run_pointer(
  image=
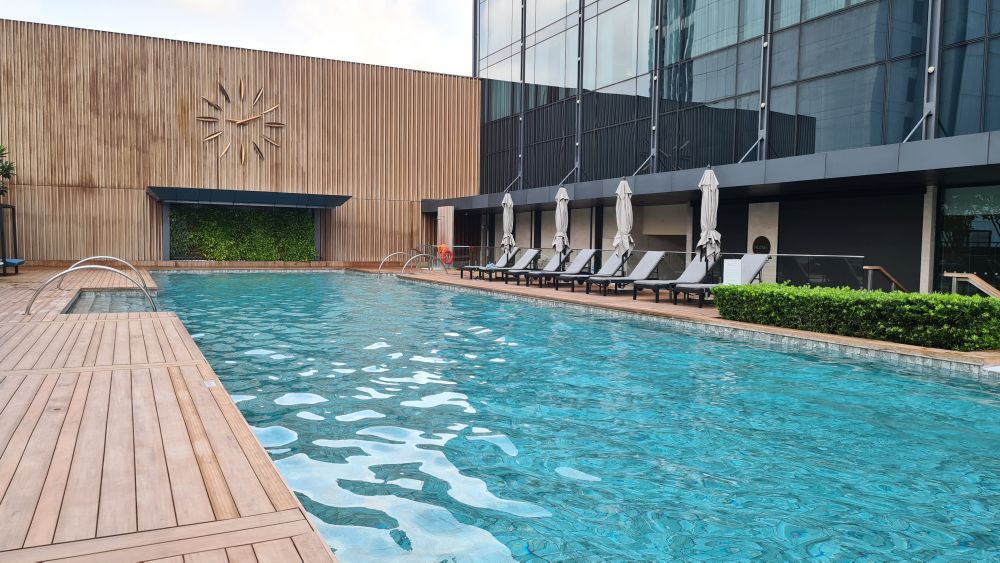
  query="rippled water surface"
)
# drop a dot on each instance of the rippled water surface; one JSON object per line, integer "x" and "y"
{"x": 419, "y": 423}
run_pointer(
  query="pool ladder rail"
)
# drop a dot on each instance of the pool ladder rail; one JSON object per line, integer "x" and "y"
{"x": 411, "y": 254}
{"x": 81, "y": 266}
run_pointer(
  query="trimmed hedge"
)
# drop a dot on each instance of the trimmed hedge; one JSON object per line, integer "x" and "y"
{"x": 215, "y": 232}
{"x": 953, "y": 322}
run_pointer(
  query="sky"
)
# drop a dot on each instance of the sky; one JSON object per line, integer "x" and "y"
{"x": 432, "y": 35}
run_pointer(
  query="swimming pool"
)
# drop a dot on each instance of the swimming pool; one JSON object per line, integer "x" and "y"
{"x": 422, "y": 423}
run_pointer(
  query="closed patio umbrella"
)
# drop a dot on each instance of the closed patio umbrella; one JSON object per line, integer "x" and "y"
{"x": 507, "y": 242}
{"x": 561, "y": 239}
{"x": 623, "y": 242}
{"x": 710, "y": 242}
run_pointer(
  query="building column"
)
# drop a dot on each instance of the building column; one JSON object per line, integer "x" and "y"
{"x": 762, "y": 221}
{"x": 927, "y": 235}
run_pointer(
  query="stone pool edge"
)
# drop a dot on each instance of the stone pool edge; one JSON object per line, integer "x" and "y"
{"x": 983, "y": 367}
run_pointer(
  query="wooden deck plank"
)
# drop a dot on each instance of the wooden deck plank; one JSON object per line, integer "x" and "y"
{"x": 241, "y": 554}
{"x": 65, "y": 350}
{"x": 161, "y": 339}
{"x": 276, "y": 551}
{"x": 78, "y": 514}
{"x": 213, "y": 556}
{"x": 277, "y": 490}
{"x": 136, "y": 343}
{"x": 117, "y": 514}
{"x": 12, "y": 353}
{"x": 105, "y": 353}
{"x": 154, "y": 501}
{"x": 248, "y": 492}
{"x": 215, "y": 481}
{"x": 192, "y": 504}
{"x": 13, "y": 414}
{"x": 25, "y": 486}
{"x": 152, "y": 537}
{"x": 122, "y": 354}
{"x": 31, "y": 354}
{"x": 311, "y": 547}
{"x": 52, "y": 348}
{"x": 154, "y": 352}
{"x": 78, "y": 350}
{"x": 43, "y": 524}
{"x": 8, "y": 387}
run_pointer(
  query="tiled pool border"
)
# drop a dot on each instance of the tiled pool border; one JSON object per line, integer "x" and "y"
{"x": 773, "y": 340}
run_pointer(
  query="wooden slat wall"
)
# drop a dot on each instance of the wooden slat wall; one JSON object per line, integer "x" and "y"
{"x": 92, "y": 118}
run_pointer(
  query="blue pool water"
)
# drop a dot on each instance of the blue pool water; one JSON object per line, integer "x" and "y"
{"x": 419, "y": 423}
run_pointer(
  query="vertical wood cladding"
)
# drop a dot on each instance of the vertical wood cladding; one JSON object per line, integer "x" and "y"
{"x": 92, "y": 118}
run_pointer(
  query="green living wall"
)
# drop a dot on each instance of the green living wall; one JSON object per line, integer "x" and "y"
{"x": 217, "y": 232}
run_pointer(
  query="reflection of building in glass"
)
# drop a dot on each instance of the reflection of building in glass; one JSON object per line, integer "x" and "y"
{"x": 582, "y": 92}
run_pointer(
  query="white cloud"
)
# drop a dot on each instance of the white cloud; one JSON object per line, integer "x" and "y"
{"x": 420, "y": 34}
{"x": 433, "y": 35}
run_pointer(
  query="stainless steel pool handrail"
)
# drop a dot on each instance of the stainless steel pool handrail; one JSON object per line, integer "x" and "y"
{"x": 114, "y": 258}
{"x": 388, "y": 256}
{"x": 60, "y": 275}
{"x": 432, "y": 257}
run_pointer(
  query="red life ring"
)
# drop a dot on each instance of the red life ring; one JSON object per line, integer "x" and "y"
{"x": 446, "y": 256}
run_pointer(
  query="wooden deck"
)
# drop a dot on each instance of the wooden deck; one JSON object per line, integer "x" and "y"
{"x": 119, "y": 443}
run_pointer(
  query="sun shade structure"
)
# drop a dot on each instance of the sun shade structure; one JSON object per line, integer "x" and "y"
{"x": 623, "y": 242}
{"x": 507, "y": 242}
{"x": 246, "y": 197}
{"x": 560, "y": 242}
{"x": 710, "y": 242}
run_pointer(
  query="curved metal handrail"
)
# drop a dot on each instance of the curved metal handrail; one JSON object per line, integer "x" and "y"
{"x": 27, "y": 309}
{"x": 432, "y": 257}
{"x": 388, "y": 256}
{"x": 115, "y": 258}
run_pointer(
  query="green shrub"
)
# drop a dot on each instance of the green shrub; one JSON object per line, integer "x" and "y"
{"x": 210, "y": 232}
{"x": 953, "y": 322}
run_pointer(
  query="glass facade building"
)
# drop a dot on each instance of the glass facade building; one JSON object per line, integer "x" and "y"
{"x": 586, "y": 90}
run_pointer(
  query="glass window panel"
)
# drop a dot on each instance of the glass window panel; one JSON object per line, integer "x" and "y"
{"x": 909, "y": 27}
{"x": 747, "y": 116}
{"x": 572, "y": 45}
{"x": 993, "y": 88}
{"x": 785, "y": 13}
{"x": 484, "y": 19}
{"x": 785, "y": 56}
{"x": 541, "y": 13}
{"x": 501, "y": 24}
{"x": 748, "y": 67}
{"x": 646, "y": 39}
{"x": 905, "y": 99}
{"x": 842, "y": 111}
{"x": 960, "y": 94}
{"x": 781, "y": 122}
{"x": 616, "y": 44}
{"x": 711, "y": 25}
{"x": 590, "y": 54}
{"x": 816, "y": 8}
{"x": 670, "y": 27}
{"x": 713, "y": 76}
{"x": 962, "y": 20}
{"x": 852, "y": 38}
{"x": 751, "y": 18}
{"x": 968, "y": 237}
{"x": 994, "y": 16}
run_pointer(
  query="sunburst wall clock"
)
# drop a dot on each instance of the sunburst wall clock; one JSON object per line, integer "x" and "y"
{"x": 241, "y": 124}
